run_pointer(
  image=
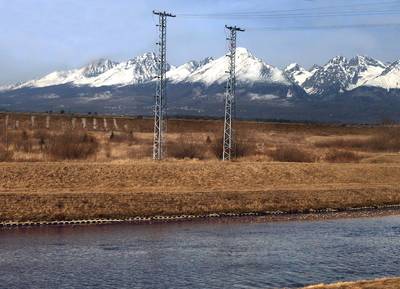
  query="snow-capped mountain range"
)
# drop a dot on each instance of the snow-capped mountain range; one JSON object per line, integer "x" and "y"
{"x": 339, "y": 74}
{"x": 198, "y": 86}
{"x": 143, "y": 69}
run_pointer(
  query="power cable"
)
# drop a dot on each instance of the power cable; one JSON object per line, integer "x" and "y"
{"x": 323, "y": 27}
{"x": 383, "y": 5}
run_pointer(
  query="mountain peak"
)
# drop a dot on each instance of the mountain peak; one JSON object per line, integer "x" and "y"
{"x": 148, "y": 57}
{"x": 338, "y": 60}
{"x": 315, "y": 67}
{"x": 249, "y": 69}
{"x": 389, "y": 77}
{"x": 206, "y": 61}
{"x": 363, "y": 60}
{"x": 297, "y": 74}
{"x": 243, "y": 51}
{"x": 98, "y": 67}
{"x": 293, "y": 67}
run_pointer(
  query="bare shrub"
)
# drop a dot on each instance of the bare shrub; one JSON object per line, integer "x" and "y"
{"x": 186, "y": 148}
{"x": 69, "y": 145}
{"x": 341, "y": 143}
{"x": 216, "y": 147}
{"x": 107, "y": 150}
{"x": 42, "y": 137}
{"x": 340, "y": 156}
{"x": 122, "y": 137}
{"x": 243, "y": 147}
{"x": 5, "y": 155}
{"x": 140, "y": 152}
{"x": 2, "y": 134}
{"x": 292, "y": 154}
{"x": 23, "y": 141}
{"x": 387, "y": 141}
{"x": 388, "y": 121}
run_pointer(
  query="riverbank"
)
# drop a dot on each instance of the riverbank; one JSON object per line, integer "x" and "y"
{"x": 375, "y": 284}
{"x": 250, "y": 217}
{"x": 61, "y": 191}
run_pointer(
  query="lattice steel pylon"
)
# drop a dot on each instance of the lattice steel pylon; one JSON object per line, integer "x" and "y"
{"x": 228, "y": 139}
{"x": 160, "y": 97}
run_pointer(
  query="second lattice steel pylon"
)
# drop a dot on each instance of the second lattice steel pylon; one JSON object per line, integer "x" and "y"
{"x": 228, "y": 139}
{"x": 160, "y": 97}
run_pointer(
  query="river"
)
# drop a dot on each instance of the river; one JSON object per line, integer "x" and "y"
{"x": 220, "y": 254}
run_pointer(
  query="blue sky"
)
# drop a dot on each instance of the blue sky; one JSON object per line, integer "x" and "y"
{"x": 40, "y": 36}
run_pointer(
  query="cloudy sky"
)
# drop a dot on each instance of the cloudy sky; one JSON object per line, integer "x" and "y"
{"x": 40, "y": 36}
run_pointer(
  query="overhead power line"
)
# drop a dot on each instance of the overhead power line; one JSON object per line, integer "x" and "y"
{"x": 324, "y": 27}
{"x": 365, "y": 7}
{"x": 385, "y": 12}
{"x": 370, "y": 9}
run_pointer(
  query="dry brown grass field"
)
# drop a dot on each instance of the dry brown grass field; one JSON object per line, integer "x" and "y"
{"x": 52, "y": 137}
{"x": 56, "y": 167}
{"x": 381, "y": 284}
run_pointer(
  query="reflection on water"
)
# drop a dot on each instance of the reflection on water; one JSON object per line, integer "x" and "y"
{"x": 200, "y": 255}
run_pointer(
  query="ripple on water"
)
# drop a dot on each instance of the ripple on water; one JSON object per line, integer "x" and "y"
{"x": 201, "y": 255}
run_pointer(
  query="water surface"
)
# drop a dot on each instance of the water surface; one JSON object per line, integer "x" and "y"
{"x": 233, "y": 254}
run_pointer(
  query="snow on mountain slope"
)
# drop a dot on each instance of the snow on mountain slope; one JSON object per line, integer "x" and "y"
{"x": 297, "y": 74}
{"x": 54, "y": 78}
{"x": 6, "y": 87}
{"x": 332, "y": 76}
{"x": 182, "y": 72}
{"x": 388, "y": 79}
{"x": 363, "y": 69}
{"x": 98, "y": 67}
{"x": 249, "y": 69}
{"x": 137, "y": 70}
{"x": 103, "y": 73}
{"x": 340, "y": 74}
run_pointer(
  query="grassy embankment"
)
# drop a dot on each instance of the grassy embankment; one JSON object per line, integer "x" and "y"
{"x": 68, "y": 171}
{"x": 59, "y": 191}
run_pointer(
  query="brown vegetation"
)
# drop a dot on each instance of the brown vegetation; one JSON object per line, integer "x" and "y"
{"x": 186, "y": 147}
{"x": 292, "y": 154}
{"x": 121, "y": 139}
{"x": 22, "y": 141}
{"x": 386, "y": 141}
{"x": 341, "y": 156}
{"x": 331, "y": 167}
{"x": 5, "y": 154}
{"x": 35, "y": 191}
{"x": 243, "y": 146}
{"x": 85, "y": 205}
{"x": 72, "y": 146}
{"x": 375, "y": 284}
